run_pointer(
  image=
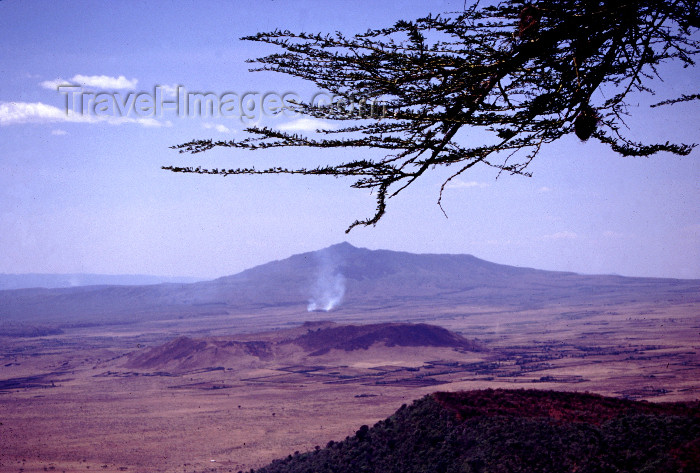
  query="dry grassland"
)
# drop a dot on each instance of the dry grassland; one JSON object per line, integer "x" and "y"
{"x": 72, "y": 403}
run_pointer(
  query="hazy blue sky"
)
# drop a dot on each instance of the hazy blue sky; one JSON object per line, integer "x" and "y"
{"x": 86, "y": 194}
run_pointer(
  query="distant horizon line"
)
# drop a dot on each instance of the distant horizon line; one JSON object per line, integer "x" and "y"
{"x": 188, "y": 279}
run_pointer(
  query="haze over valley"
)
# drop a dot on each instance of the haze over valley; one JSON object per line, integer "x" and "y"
{"x": 223, "y": 372}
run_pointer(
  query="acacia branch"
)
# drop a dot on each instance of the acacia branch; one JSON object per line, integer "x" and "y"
{"x": 523, "y": 73}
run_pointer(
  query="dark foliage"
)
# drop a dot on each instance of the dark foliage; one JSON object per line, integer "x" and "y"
{"x": 586, "y": 122}
{"x": 515, "y": 431}
{"x": 509, "y": 78}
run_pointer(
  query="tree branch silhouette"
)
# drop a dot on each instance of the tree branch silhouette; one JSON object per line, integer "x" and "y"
{"x": 525, "y": 73}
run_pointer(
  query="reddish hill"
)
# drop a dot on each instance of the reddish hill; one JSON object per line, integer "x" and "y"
{"x": 185, "y": 352}
{"x": 355, "y": 337}
{"x": 320, "y": 338}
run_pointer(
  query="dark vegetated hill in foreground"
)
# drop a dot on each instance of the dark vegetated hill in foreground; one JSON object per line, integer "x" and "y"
{"x": 516, "y": 431}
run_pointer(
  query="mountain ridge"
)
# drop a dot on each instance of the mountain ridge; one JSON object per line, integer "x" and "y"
{"x": 9, "y": 281}
{"x": 342, "y": 278}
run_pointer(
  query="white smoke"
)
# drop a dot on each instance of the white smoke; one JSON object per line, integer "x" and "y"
{"x": 329, "y": 288}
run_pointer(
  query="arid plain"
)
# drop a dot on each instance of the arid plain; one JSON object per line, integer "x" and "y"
{"x": 229, "y": 392}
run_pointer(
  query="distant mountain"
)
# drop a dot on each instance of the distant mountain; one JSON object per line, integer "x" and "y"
{"x": 345, "y": 279}
{"x": 52, "y": 281}
{"x": 515, "y": 431}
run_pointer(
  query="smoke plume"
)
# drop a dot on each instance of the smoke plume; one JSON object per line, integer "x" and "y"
{"x": 329, "y": 288}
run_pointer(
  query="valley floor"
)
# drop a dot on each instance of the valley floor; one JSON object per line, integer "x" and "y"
{"x": 71, "y": 402}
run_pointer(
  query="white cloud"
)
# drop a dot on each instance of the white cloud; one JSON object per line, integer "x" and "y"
{"x": 565, "y": 235}
{"x": 218, "y": 127}
{"x": 55, "y": 84}
{"x": 544, "y": 189}
{"x": 22, "y": 112}
{"x": 460, "y": 184}
{"x": 306, "y": 124}
{"x": 98, "y": 82}
{"x": 14, "y": 113}
{"x": 147, "y": 122}
{"x": 59, "y": 132}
